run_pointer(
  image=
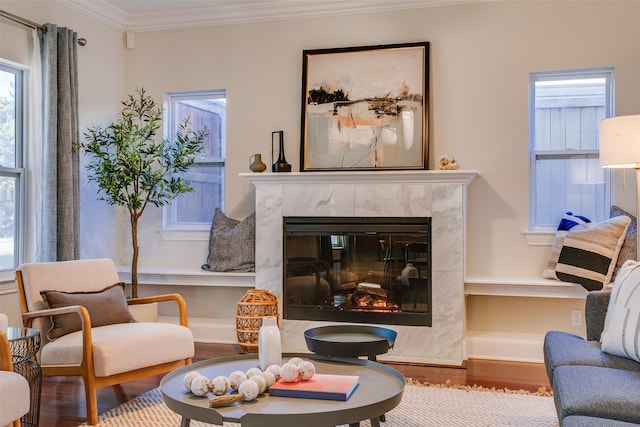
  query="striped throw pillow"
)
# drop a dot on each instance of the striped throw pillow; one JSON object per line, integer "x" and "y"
{"x": 567, "y": 222}
{"x": 621, "y": 333}
{"x": 588, "y": 257}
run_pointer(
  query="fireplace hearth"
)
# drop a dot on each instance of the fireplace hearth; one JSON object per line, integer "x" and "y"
{"x": 355, "y": 269}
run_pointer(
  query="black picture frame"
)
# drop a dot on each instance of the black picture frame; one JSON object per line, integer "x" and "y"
{"x": 365, "y": 108}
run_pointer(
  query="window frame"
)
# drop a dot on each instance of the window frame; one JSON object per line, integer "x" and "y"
{"x": 572, "y": 74}
{"x": 190, "y": 231}
{"x": 18, "y": 171}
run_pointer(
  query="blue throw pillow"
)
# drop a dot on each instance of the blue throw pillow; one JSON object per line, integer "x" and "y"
{"x": 569, "y": 220}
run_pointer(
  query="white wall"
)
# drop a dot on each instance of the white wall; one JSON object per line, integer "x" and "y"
{"x": 481, "y": 56}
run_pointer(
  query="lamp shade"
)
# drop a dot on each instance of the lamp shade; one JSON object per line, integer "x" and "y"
{"x": 620, "y": 142}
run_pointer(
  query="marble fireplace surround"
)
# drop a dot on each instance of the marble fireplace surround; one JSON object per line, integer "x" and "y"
{"x": 438, "y": 194}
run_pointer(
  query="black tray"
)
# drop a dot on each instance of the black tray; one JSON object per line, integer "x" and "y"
{"x": 350, "y": 340}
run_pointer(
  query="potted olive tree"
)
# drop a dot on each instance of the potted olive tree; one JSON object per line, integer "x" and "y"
{"x": 133, "y": 167}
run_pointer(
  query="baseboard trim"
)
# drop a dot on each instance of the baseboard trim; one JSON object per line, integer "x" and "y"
{"x": 221, "y": 331}
{"x": 478, "y": 344}
{"x": 507, "y": 347}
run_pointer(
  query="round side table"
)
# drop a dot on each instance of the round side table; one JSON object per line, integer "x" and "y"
{"x": 25, "y": 343}
{"x": 351, "y": 341}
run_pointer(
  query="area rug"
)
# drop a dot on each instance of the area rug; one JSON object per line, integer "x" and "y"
{"x": 422, "y": 405}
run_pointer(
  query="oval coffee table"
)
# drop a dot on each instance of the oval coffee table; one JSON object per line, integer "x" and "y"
{"x": 380, "y": 389}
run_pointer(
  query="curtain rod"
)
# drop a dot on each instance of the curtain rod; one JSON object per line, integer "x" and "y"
{"x": 81, "y": 41}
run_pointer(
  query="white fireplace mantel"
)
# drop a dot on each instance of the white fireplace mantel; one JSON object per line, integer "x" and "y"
{"x": 368, "y": 177}
{"x": 440, "y": 195}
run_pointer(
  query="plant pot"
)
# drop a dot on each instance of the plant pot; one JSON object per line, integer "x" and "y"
{"x": 144, "y": 312}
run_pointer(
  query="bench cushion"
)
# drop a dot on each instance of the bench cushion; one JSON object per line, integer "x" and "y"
{"x": 597, "y": 392}
{"x": 123, "y": 347}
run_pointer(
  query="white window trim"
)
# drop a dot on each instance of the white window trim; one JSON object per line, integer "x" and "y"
{"x": 540, "y": 235}
{"x": 20, "y": 170}
{"x": 194, "y": 231}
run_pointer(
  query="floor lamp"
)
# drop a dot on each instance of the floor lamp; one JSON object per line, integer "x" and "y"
{"x": 620, "y": 148}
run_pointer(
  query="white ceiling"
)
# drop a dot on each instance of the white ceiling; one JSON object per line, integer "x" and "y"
{"x": 151, "y": 15}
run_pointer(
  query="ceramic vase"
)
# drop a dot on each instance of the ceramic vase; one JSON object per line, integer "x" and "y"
{"x": 281, "y": 164}
{"x": 269, "y": 343}
{"x": 256, "y": 164}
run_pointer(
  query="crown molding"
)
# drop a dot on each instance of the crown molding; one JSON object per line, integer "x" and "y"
{"x": 101, "y": 11}
{"x": 240, "y": 13}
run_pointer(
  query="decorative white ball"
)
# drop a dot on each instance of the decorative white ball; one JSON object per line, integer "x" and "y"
{"x": 220, "y": 385}
{"x": 262, "y": 383}
{"x": 275, "y": 370}
{"x": 200, "y": 385}
{"x": 250, "y": 389}
{"x": 296, "y": 360}
{"x": 236, "y": 378}
{"x": 269, "y": 378}
{"x": 307, "y": 370}
{"x": 253, "y": 371}
{"x": 189, "y": 377}
{"x": 289, "y": 372}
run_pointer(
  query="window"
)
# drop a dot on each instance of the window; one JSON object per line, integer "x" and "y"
{"x": 564, "y": 115}
{"x": 11, "y": 167}
{"x": 194, "y": 211}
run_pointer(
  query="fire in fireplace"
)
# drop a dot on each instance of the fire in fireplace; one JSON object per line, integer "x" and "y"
{"x": 358, "y": 269}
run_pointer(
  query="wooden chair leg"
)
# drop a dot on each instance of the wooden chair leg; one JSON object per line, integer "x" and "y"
{"x": 16, "y": 423}
{"x": 92, "y": 401}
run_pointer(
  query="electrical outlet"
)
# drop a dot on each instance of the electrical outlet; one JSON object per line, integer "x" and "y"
{"x": 576, "y": 317}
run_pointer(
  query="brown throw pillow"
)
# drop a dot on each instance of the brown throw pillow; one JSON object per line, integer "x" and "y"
{"x": 105, "y": 307}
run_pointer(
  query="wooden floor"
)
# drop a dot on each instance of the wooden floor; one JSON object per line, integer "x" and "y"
{"x": 62, "y": 402}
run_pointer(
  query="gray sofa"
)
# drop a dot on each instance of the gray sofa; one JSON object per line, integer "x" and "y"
{"x": 591, "y": 387}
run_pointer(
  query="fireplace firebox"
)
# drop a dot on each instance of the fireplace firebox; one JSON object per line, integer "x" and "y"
{"x": 358, "y": 269}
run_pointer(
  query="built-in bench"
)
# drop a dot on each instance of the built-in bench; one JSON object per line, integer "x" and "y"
{"x": 189, "y": 277}
{"x": 205, "y": 329}
{"x": 522, "y": 287}
{"x": 524, "y": 345}
{"x": 489, "y": 344}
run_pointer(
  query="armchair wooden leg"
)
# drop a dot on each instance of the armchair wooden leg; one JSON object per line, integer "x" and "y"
{"x": 92, "y": 401}
{"x": 16, "y": 423}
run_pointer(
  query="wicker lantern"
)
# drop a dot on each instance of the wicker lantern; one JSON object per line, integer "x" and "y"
{"x": 251, "y": 308}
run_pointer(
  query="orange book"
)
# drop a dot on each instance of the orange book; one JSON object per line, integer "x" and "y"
{"x": 321, "y": 386}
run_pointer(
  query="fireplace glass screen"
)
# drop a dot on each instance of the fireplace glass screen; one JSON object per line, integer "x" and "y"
{"x": 361, "y": 270}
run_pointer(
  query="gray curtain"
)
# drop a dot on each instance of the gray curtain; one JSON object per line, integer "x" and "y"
{"x": 59, "y": 227}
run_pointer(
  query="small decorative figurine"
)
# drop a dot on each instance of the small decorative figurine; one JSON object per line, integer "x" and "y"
{"x": 448, "y": 162}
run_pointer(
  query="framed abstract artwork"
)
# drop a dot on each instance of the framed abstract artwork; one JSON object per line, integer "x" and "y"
{"x": 365, "y": 108}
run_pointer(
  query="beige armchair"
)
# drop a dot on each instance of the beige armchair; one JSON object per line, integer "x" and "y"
{"x": 14, "y": 388}
{"x": 118, "y": 350}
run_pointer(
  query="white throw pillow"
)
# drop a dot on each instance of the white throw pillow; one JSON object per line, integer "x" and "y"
{"x": 621, "y": 334}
